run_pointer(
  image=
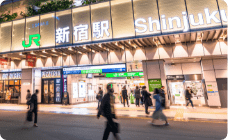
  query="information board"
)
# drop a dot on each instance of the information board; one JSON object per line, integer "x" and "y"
{"x": 154, "y": 83}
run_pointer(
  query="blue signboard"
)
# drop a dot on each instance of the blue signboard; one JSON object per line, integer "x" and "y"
{"x": 101, "y": 68}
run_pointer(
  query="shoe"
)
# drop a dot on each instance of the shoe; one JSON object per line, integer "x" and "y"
{"x": 148, "y": 113}
{"x": 35, "y": 125}
{"x": 166, "y": 124}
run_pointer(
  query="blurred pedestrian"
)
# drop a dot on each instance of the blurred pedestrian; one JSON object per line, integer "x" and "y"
{"x": 34, "y": 106}
{"x": 125, "y": 96}
{"x": 162, "y": 94}
{"x": 146, "y": 97}
{"x": 158, "y": 114}
{"x": 137, "y": 96}
{"x": 108, "y": 111}
{"x": 99, "y": 96}
{"x": 188, "y": 96}
{"x": 28, "y": 98}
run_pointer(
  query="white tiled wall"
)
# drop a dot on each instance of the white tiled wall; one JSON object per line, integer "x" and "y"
{"x": 191, "y": 68}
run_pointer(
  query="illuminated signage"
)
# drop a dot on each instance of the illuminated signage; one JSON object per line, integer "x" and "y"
{"x": 127, "y": 74}
{"x": 51, "y": 74}
{"x": 81, "y": 32}
{"x": 209, "y": 17}
{"x": 6, "y": 76}
{"x": 35, "y": 38}
{"x": 95, "y": 69}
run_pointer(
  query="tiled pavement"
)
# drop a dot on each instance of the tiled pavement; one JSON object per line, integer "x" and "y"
{"x": 179, "y": 113}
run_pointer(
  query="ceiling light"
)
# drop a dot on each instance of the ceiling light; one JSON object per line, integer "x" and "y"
{"x": 44, "y": 51}
{"x": 32, "y": 52}
{"x": 84, "y": 47}
{"x": 70, "y": 49}
{"x": 99, "y": 45}
{"x": 53, "y": 50}
{"x": 79, "y": 52}
{"x": 93, "y": 51}
{"x": 64, "y": 54}
{"x": 21, "y": 53}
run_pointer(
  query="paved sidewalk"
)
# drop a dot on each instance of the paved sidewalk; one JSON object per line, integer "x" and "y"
{"x": 179, "y": 113}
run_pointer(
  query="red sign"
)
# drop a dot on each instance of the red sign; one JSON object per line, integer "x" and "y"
{"x": 31, "y": 60}
{"x": 4, "y": 61}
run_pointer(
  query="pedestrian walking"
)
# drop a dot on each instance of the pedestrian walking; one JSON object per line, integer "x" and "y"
{"x": 108, "y": 111}
{"x": 125, "y": 96}
{"x": 28, "y": 98}
{"x": 147, "y": 99}
{"x": 99, "y": 97}
{"x": 188, "y": 96}
{"x": 158, "y": 114}
{"x": 162, "y": 94}
{"x": 34, "y": 106}
{"x": 137, "y": 96}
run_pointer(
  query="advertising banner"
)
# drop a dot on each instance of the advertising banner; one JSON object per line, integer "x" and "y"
{"x": 154, "y": 83}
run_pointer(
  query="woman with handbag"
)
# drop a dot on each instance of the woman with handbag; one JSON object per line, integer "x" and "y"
{"x": 158, "y": 114}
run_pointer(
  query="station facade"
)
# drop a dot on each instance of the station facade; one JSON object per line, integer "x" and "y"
{"x": 70, "y": 53}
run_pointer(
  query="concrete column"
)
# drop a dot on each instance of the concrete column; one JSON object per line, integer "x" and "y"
{"x": 212, "y": 69}
{"x": 26, "y": 84}
{"x": 155, "y": 70}
{"x": 30, "y": 80}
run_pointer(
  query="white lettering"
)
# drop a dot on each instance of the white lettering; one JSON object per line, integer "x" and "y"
{"x": 186, "y": 23}
{"x": 81, "y": 32}
{"x": 192, "y": 20}
{"x": 223, "y": 15}
{"x": 164, "y": 22}
{"x": 211, "y": 16}
{"x": 62, "y": 35}
{"x": 151, "y": 22}
{"x": 178, "y": 21}
{"x": 140, "y": 25}
{"x": 99, "y": 28}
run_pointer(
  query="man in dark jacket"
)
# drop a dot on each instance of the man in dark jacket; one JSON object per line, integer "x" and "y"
{"x": 162, "y": 94}
{"x": 108, "y": 111}
{"x": 34, "y": 106}
{"x": 125, "y": 96}
{"x": 100, "y": 96}
{"x": 137, "y": 95}
{"x": 146, "y": 96}
{"x": 188, "y": 96}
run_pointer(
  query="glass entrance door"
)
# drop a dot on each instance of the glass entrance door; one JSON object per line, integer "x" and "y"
{"x": 51, "y": 91}
{"x": 45, "y": 91}
{"x": 48, "y": 91}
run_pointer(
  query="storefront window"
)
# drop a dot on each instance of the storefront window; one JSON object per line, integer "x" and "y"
{"x": 5, "y": 37}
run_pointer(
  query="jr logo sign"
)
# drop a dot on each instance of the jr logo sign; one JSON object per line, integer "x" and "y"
{"x": 35, "y": 38}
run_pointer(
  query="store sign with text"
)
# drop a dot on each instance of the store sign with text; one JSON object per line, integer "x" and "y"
{"x": 95, "y": 69}
{"x": 6, "y": 76}
{"x": 154, "y": 83}
{"x": 127, "y": 74}
{"x": 51, "y": 74}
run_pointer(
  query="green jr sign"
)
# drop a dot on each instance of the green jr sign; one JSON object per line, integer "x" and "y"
{"x": 35, "y": 38}
{"x": 154, "y": 83}
{"x": 126, "y": 74}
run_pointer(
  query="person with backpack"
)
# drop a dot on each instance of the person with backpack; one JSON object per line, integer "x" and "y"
{"x": 28, "y": 97}
{"x": 34, "y": 106}
{"x": 188, "y": 96}
{"x": 125, "y": 96}
{"x": 99, "y": 96}
{"x": 158, "y": 114}
{"x": 107, "y": 110}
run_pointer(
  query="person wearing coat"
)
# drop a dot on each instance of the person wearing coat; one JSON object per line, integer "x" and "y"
{"x": 158, "y": 114}
{"x": 137, "y": 96}
{"x": 107, "y": 110}
{"x": 162, "y": 94}
{"x": 188, "y": 96}
{"x": 146, "y": 95}
{"x": 28, "y": 97}
{"x": 34, "y": 106}
{"x": 125, "y": 96}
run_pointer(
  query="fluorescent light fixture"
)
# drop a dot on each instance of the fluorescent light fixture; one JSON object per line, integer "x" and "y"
{"x": 64, "y": 54}
{"x": 32, "y": 52}
{"x": 44, "y": 51}
{"x": 84, "y": 47}
{"x": 53, "y": 50}
{"x": 70, "y": 49}
{"x": 79, "y": 52}
{"x": 21, "y": 53}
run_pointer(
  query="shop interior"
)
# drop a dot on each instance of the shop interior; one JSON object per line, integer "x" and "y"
{"x": 176, "y": 90}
